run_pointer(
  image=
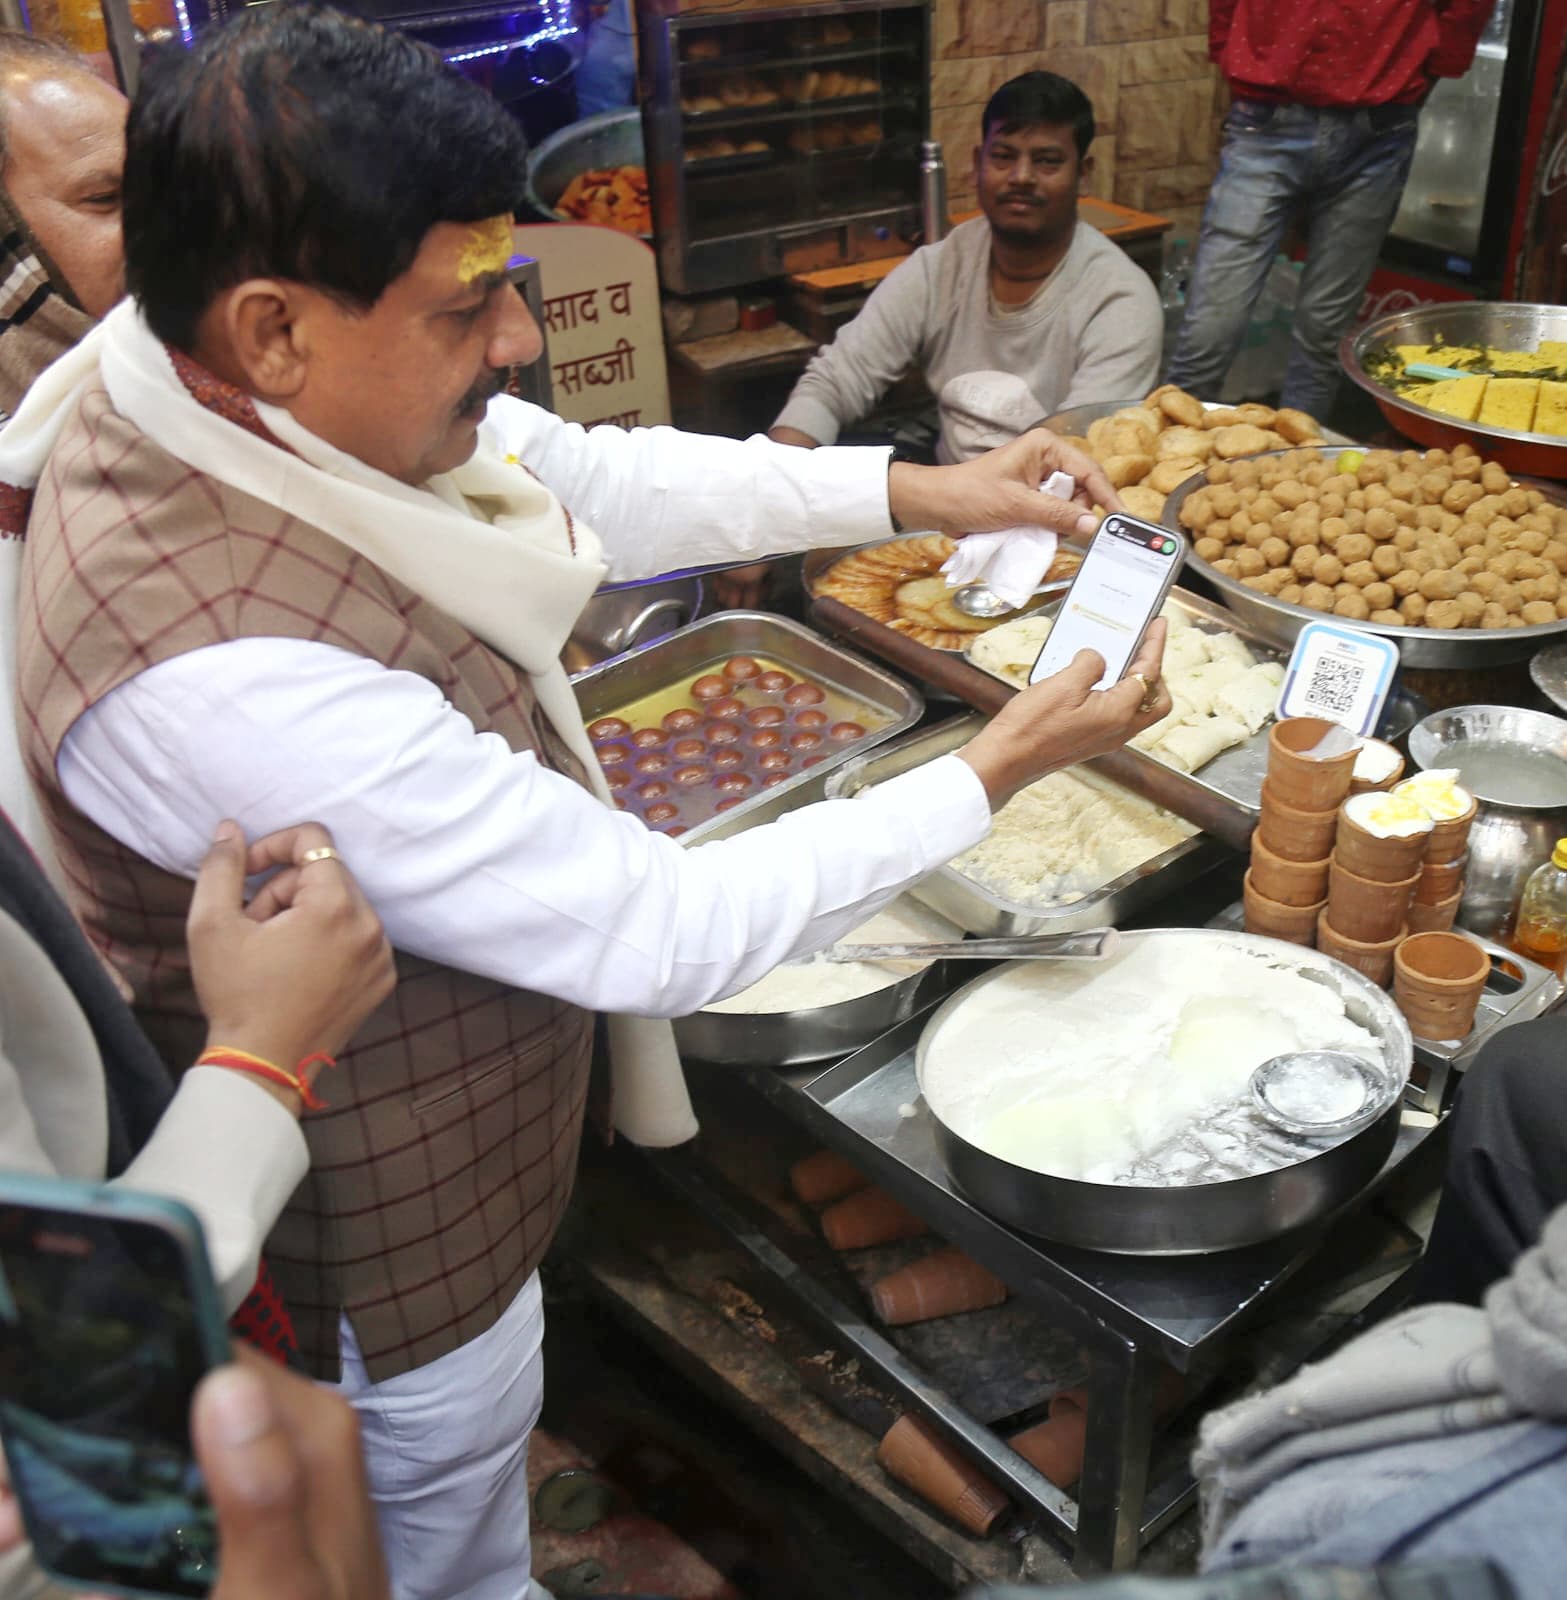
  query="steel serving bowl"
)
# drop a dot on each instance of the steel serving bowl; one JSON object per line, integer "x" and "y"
{"x": 1280, "y": 623}
{"x": 1505, "y": 326}
{"x": 1190, "y": 1219}
{"x": 610, "y": 139}
{"x": 1506, "y": 841}
{"x": 817, "y": 1033}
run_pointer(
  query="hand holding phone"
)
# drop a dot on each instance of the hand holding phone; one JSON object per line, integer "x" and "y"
{"x": 1130, "y": 568}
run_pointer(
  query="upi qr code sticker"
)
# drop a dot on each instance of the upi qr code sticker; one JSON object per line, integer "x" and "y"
{"x": 1340, "y": 674}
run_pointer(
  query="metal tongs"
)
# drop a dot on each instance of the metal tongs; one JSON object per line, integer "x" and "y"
{"x": 1090, "y": 944}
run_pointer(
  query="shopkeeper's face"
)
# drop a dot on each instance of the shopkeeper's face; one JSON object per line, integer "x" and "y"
{"x": 1027, "y": 181}
{"x": 65, "y": 152}
{"x": 404, "y": 385}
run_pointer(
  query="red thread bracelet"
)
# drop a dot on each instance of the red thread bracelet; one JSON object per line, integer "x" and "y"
{"x": 244, "y": 1061}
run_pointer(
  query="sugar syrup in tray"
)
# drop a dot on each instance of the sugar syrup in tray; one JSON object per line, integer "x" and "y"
{"x": 742, "y": 724}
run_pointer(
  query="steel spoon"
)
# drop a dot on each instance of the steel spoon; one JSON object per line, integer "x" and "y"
{"x": 1090, "y": 944}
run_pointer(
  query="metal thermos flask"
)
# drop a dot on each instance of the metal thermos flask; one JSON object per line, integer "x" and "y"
{"x": 933, "y": 191}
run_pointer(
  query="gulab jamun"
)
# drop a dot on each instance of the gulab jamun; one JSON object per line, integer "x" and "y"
{"x": 765, "y": 739}
{"x": 686, "y": 776}
{"x": 721, "y": 733}
{"x": 652, "y": 762}
{"x": 741, "y": 669}
{"x": 675, "y": 832}
{"x": 772, "y": 682}
{"x": 773, "y": 779}
{"x": 612, "y": 755}
{"x": 765, "y": 716}
{"x": 664, "y": 812}
{"x": 805, "y": 739}
{"x": 725, "y": 759}
{"x": 729, "y": 708}
{"x": 620, "y": 805}
{"x": 649, "y": 738}
{"x": 845, "y": 731}
{"x": 607, "y": 728}
{"x": 688, "y": 749}
{"x": 813, "y": 761}
{"x": 775, "y": 761}
{"x": 804, "y": 694}
{"x": 654, "y": 791}
{"x": 730, "y": 803}
{"x": 734, "y": 782}
{"x": 682, "y": 719}
{"x": 811, "y": 719}
{"x": 710, "y": 687}
{"x": 617, "y": 778}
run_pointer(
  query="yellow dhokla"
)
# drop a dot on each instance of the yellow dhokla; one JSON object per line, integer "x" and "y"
{"x": 1503, "y": 361}
{"x": 1509, "y": 403}
{"x": 1553, "y": 352}
{"x": 1550, "y": 413}
{"x": 1455, "y": 397}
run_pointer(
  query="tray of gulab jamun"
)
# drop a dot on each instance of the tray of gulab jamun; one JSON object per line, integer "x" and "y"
{"x": 730, "y": 714}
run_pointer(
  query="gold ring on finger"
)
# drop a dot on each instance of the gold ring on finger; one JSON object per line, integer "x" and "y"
{"x": 322, "y": 852}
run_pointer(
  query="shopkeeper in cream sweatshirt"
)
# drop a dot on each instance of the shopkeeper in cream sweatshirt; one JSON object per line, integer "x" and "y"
{"x": 1017, "y": 314}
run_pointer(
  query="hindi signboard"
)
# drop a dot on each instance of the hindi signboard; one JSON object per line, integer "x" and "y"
{"x": 602, "y": 323}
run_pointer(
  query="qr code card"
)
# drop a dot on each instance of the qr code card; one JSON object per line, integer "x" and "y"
{"x": 1340, "y": 674}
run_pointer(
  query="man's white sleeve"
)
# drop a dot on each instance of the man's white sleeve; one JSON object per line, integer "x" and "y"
{"x": 661, "y": 499}
{"x": 478, "y": 857}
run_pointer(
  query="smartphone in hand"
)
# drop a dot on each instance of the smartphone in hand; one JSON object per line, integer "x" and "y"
{"x": 109, "y": 1318}
{"x": 1129, "y": 569}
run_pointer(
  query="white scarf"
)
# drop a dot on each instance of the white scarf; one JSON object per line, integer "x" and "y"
{"x": 488, "y": 544}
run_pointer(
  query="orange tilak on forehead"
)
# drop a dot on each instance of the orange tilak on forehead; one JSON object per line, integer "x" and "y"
{"x": 486, "y": 248}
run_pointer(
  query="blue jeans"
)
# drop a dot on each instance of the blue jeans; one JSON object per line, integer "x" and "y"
{"x": 1346, "y": 168}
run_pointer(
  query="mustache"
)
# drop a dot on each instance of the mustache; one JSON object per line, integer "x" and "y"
{"x": 489, "y": 385}
{"x": 1021, "y": 199}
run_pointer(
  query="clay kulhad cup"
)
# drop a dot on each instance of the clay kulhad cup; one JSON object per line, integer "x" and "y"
{"x": 1438, "y": 979}
{"x": 1295, "y": 834}
{"x": 1361, "y": 908}
{"x": 1374, "y": 961}
{"x": 1436, "y": 918}
{"x": 1366, "y": 785}
{"x": 1440, "y": 880}
{"x": 1274, "y": 920}
{"x": 1383, "y": 860}
{"x": 1309, "y": 783}
{"x": 1291, "y": 883}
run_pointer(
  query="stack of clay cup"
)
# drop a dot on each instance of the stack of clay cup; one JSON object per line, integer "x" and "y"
{"x": 1371, "y": 882}
{"x": 1441, "y": 884}
{"x": 1286, "y": 888}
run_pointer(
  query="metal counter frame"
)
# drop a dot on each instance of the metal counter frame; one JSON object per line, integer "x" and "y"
{"x": 1128, "y": 1312}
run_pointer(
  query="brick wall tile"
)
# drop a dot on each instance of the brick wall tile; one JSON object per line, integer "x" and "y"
{"x": 1129, "y": 188}
{"x": 1116, "y": 21}
{"x": 1066, "y": 23}
{"x": 1096, "y": 71}
{"x": 1164, "y": 60}
{"x": 969, "y": 80}
{"x": 1170, "y": 188}
{"x": 1100, "y": 181}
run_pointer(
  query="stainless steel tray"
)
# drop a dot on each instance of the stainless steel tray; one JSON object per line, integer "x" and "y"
{"x": 1281, "y": 623}
{"x": 603, "y": 689}
{"x": 1518, "y": 990}
{"x": 975, "y": 908}
{"x": 1232, "y": 781}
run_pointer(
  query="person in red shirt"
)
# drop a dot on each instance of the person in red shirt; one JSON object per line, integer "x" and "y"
{"x": 1326, "y": 109}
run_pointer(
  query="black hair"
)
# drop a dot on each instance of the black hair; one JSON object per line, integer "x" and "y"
{"x": 297, "y": 142}
{"x": 1040, "y": 98}
{"x": 19, "y": 49}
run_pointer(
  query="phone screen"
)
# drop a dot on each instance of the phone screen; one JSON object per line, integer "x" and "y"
{"x": 100, "y": 1352}
{"x": 1118, "y": 589}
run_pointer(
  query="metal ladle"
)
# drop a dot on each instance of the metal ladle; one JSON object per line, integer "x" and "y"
{"x": 1089, "y": 944}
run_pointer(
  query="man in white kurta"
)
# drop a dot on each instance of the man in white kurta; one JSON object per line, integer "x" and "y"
{"x": 381, "y": 431}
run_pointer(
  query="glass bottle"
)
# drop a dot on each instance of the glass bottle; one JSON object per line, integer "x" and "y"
{"x": 1540, "y": 930}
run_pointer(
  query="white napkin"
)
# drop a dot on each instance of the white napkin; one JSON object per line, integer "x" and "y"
{"x": 1013, "y": 563}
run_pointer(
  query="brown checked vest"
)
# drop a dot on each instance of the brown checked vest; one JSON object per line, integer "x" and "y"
{"x": 442, "y": 1168}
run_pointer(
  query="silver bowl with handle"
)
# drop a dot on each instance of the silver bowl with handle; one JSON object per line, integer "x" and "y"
{"x": 1280, "y": 623}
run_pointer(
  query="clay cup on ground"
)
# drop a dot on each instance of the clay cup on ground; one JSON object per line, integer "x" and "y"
{"x": 1437, "y": 980}
{"x": 1274, "y": 920}
{"x": 1374, "y": 961}
{"x": 1361, "y": 908}
{"x": 1310, "y": 783}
